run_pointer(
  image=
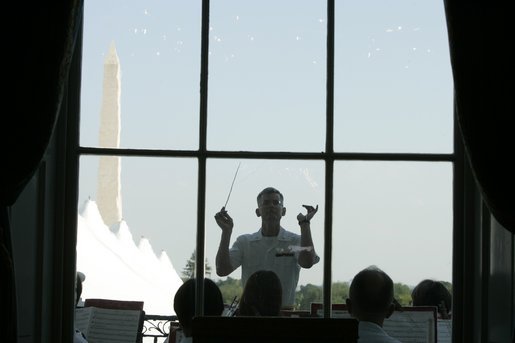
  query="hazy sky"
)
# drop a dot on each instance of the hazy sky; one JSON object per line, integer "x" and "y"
{"x": 267, "y": 70}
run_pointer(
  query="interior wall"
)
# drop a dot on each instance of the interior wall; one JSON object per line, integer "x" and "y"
{"x": 37, "y": 236}
{"x": 27, "y": 249}
{"x": 501, "y": 287}
{"x": 483, "y": 267}
{"x": 33, "y": 236}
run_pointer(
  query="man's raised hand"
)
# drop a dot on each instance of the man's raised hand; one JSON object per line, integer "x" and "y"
{"x": 224, "y": 220}
{"x": 307, "y": 217}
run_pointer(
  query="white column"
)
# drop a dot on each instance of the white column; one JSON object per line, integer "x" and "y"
{"x": 109, "y": 199}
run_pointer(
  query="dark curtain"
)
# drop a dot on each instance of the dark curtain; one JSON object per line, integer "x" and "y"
{"x": 38, "y": 47}
{"x": 481, "y": 49}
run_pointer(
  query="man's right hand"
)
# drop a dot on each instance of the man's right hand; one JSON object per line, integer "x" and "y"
{"x": 223, "y": 259}
{"x": 224, "y": 220}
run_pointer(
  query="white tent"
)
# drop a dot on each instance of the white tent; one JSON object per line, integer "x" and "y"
{"x": 116, "y": 268}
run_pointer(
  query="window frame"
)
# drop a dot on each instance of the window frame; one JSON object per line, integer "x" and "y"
{"x": 329, "y": 157}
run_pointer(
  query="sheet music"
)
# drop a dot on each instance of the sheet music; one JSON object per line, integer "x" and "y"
{"x": 105, "y": 325}
{"x": 82, "y": 318}
{"x": 411, "y": 327}
{"x": 444, "y": 331}
{"x": 406, "y": 326}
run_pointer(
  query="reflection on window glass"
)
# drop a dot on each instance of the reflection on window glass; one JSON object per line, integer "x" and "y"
{"x": 393, "y": 80}
{"x": 137, "y": 220}
{"x": 267, "y": 75}
{"x": 158, "y": 48}
{"x": 395, "y": 215}
{"x": 300, "y": 182}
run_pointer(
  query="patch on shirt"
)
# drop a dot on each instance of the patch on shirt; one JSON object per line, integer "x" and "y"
{"x": 290, "y": 251}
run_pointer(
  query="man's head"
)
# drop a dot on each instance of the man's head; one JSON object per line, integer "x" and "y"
{"x": 371, "y": 296}
{"x": 432, "y": 293}
{"x": 269, "y": 190}
{"x": 79, "y": 279}
{"x": 270, "y": 204}
{"x": 184, "y": 302}
{"x": 262, "y": 295}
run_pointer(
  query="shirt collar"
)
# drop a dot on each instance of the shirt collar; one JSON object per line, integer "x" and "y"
{"x": 283, "y": 235}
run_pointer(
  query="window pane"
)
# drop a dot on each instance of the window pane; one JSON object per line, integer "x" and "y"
{"x": 393, "y": 81}
{"x": 395, "y": 215}
{"x": 300, "y": 182}
{"x": 267, "y": 75}
{"x": 158, "y": 48}
{"x": 143, "y": 257}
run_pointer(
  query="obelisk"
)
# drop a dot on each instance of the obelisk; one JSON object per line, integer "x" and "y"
{"x": 109, "y": 199}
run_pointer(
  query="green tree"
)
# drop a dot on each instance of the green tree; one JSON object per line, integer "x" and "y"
{"x": 230, "y": 289}
{"x": 188, "y": 272}
{"x": 306, "y": 295}
{"x": 447, "y": 285}
{"x": 339, "y": 292}
{"x": 310, "y": 293}
{"x": 402, "y": 293}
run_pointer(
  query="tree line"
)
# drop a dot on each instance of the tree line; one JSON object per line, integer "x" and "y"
{"x": 231, "y": 289}
{"x": 306, "y": 294}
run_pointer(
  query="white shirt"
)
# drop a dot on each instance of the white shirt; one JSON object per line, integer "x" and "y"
{"x": 255, "y": 252}
{"x": 372, "y": 333}
{"x": 186, "y": 340}
{"x": 78, "y": 337}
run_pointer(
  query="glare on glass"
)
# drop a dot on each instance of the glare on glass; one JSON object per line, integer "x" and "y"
{"x": 151, "y": 83}
{"x": 267, "y": 75}
{"x": 396, "y": 216}
{"x": 300, "y": 182}
{"x": 393, "y": 79}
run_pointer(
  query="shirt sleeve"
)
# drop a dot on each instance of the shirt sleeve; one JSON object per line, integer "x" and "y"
{"x": 236, "y": 252}
{"x": 296, "y": 242}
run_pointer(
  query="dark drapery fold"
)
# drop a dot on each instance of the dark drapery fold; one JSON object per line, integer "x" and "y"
{"x": 7, "y": 293}
{"x": 39, "y": 46}
{"x": 481, "y": 48}
{"x": 42, "y": 42}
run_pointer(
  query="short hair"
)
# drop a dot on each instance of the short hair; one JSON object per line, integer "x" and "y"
{"x": 78, "y": 289}
{"x": 371, "y": 291}
{"x": 269, "y": 190}
{"x": 262, "y": 295}
{"x": 431, "y": 293}
{"x": 79, "y": 279}
{"x": 184, "y": 301}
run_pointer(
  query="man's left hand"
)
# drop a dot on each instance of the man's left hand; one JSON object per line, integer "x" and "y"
{"x": 307, "y": 217}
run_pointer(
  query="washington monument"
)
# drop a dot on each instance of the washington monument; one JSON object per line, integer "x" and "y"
{"x": 109, "y": 199}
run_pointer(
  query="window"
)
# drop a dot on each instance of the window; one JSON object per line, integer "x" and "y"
{"x": 360, "y": 125}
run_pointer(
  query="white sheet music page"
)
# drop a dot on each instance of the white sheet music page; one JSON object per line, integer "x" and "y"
{"x": 411, "y": 326}
{"x": 106, "y": 325}
{"x": 408, "y": 326}
{"x": 444, "y": 331}
{"x": 82, "y": 319}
